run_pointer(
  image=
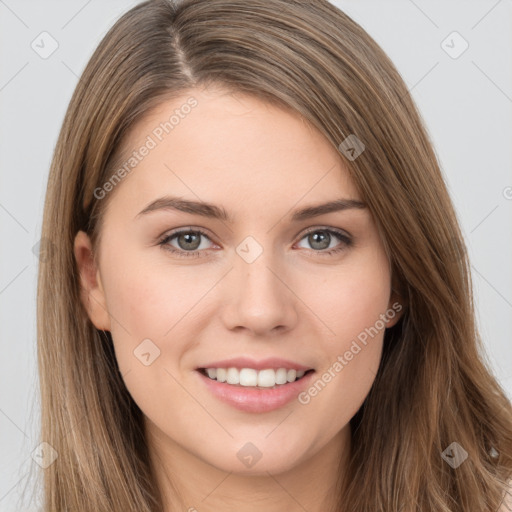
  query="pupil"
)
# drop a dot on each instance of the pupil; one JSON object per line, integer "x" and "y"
{"x": 190, "y": 243}
{"x": 322, "y": 236}
{"x": 192, "y": 240}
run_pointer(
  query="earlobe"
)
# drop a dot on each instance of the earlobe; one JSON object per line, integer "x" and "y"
{"x": 91, "y": 288}
{"x": 394, "y": 314}
{"x": 395, "y": 309}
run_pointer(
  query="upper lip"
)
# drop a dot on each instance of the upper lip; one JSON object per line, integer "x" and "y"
{"x": 262, "y": 364}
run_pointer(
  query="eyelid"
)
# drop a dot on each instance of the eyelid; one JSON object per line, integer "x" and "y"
{"x": 206, "y": 232}
{"x": 186, "y": 229}
{"x": 166, "y": 237}
{"x": 312, "y": 229}
{"x": 343, "y": 236}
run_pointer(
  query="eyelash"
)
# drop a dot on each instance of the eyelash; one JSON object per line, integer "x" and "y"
{"x": 164, "y": 242}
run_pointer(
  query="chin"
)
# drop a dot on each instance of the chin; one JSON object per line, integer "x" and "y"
{"x": 257, "y": 458}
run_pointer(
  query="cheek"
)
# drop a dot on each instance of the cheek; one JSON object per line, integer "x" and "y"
{"x": 148, "y": 315}
{"x": 139, "y": 306}
{"x": 149, "y": 302}
{"x": 350, "y": 362}
{"x": 341, "y": 387}
{"x": 351, "y": 306}
{"x": 353, "y": 299}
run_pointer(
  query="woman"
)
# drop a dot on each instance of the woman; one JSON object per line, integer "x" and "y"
{"x": 260, "y": 294}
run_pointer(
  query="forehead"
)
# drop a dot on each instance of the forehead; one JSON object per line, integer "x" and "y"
{"x": 218, "y": 146}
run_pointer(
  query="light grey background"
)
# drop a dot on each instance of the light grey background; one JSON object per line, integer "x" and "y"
{"x": 466, "y": 103}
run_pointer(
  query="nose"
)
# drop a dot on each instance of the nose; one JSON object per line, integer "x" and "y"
{"x": 258, "y": 298}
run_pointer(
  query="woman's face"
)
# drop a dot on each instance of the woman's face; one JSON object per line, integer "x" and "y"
{"x": 312, "y": 289}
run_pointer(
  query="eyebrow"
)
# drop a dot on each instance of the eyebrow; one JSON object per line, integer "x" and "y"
{"x": 217, "y": 212}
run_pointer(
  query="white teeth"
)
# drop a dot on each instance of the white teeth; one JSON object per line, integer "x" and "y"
{"x": 248, "y": 377}
{"x": 281, "y": 376}
{"x": 267, "y": 378}
{"x": 233, "y": 376}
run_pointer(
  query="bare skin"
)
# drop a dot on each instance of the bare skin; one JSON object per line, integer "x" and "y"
{"x": 294, "y": 301}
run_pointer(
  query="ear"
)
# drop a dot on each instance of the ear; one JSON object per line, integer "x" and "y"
{"x": 396, "y": 306}
{"x": 91, "y": 293}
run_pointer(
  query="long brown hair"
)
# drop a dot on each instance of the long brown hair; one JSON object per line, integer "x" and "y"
{"x": 434, "y": 386}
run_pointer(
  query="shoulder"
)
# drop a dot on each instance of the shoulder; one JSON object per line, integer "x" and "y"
{"x": 506, "y": 504}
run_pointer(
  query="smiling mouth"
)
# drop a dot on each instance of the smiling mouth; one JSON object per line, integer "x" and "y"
{"x": 248, "y": 377}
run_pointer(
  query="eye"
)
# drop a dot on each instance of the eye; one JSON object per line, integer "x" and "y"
{"x": 321, "y": 239}
{"x": 188, "y": 242}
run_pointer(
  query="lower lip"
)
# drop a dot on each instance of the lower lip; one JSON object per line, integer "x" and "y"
{"x": 251, "y": 399}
